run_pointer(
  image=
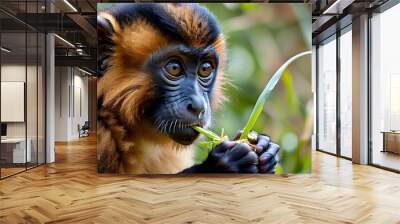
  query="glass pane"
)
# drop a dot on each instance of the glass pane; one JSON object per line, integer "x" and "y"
{"x": 345, "y": 94}
{"x": 31, "y": 98}
{"x": 41, "y": 98}
{"x": 327, "y": 97}
{"x": 385, "y": 84}
{"x": 32, "y": 86}
{"x": 13, "y": 86}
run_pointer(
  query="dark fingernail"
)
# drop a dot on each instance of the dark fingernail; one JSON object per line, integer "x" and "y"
{"x": 238, "y": 134}
{"x": 230, "y": 144}
{"x": 259, "y": 149}
{"x": 252, "y": 137}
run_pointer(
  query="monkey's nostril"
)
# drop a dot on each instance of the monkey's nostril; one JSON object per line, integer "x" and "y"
{"x": 190, "y": 107}
{"x": 196, "y": 109}
{"x": 196, "y": 106}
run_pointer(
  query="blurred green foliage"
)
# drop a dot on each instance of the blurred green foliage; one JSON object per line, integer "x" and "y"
{"x": 260, "y": 38}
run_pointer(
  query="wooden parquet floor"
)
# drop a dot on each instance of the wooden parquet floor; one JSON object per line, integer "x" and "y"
{"x": 71, "y": 191}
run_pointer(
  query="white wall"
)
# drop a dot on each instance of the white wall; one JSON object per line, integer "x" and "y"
{"x": 12, "y": 73}
{"x": 61, "y": 103}
{"x": 80, "y": 102}
{"x": 33, "y": 127}
{"x": 71, "y": 96}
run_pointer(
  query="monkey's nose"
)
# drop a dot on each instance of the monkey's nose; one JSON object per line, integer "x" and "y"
{"x": 196, "y": 106}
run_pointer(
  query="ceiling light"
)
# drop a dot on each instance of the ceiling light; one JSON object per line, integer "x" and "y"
{"x": 70, "y": 5}
{"x": 331, "y": 7}
{"x": 65, "y": 41}
{"x": 5, "y": 50}
{"x": 86, "y": 72}
{"x": 338, "y": 6}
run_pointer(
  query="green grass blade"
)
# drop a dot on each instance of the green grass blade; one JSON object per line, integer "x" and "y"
{"x": 266, "y": 93}
{"x": 209, "y": 134}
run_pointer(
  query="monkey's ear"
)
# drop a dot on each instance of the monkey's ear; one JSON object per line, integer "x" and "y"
{"x": 105, "y": 32}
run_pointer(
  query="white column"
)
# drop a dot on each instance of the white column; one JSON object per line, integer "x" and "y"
{"x": 314, "y": 92}
{"x": 50, "y": 92}
{"x": 360, "y": 90}
{"x": 50, "y": 99}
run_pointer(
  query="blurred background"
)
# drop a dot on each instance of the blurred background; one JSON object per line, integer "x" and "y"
{"x": 260, "y": 38}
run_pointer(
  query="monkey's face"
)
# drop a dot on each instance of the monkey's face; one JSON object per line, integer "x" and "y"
{"x": 184, "y": 78}
{"x": 158, "y": 64}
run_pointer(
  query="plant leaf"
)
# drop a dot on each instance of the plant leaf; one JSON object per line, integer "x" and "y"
{"x": 206, "y": 145}
{"x": 266, "y": 93}
{"x": 209, "y": 134}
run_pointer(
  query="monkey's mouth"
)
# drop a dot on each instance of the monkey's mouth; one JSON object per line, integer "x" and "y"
{"x": 185, "y": 136}
{"x": 180, "y": 131}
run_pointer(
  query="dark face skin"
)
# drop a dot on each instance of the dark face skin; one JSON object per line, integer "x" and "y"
{"x": 184, "y": 78}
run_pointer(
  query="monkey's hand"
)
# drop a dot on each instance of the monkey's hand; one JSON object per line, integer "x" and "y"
{"x": 232, "y": 157}
{"x": 228, "y": 157}
{"x": 266, "y": 150}
{"x": 268, "y": 154}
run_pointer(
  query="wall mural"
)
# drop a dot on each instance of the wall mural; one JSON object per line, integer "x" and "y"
{"x": 204, "y": 88}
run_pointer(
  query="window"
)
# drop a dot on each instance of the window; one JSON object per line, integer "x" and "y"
{"x": 22, "y": 101}
{"x": 346, "y": 93}
{"x": 327, "y": 96}
{"x": 385, "y": 89}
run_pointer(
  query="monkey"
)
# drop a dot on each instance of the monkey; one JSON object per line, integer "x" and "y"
{"x": 161, "y": 71}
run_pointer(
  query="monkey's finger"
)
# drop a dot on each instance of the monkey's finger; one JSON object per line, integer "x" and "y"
{"x": 251, "y": 159}
{"x": 252, "y": 137}
{"x": 223, "y": 146}
{"x": 269, "y": 167}
{"x": 238, "y": 134}
{"x": 238, "y": 151}
{"x": 262, "y": 143}
{"x": 272, "y": 151}
{"x": 250, "y": 169}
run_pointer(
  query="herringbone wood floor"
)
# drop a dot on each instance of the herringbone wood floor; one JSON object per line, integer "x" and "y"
{"x": 70, "y": 191}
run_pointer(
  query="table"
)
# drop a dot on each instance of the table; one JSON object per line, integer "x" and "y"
{"x": 391, "y": 141}
{"x": 13, "y": 150}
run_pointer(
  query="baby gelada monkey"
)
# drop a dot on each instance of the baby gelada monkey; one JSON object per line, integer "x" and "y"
{"x": 161, "y": 69}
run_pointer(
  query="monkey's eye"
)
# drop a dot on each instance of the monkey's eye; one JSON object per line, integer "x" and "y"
{"x": 205, "y": 69}
{"x": 173, "y": 67}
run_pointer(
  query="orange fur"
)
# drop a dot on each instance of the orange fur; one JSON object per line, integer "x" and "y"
{"x": 124, "y": 87}
{"x": 137, "y": 42}
{"x": 193, "y": 24}
{"x": 221, "y": 80}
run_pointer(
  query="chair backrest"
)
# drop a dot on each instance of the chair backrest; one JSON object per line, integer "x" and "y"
{"x": 86, "y": 125}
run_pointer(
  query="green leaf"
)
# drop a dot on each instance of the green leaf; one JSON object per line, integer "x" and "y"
{"x": 206, "y": 145}
{"x": 209, "y": 134}
{"x": 278, "y": 169}
{"x": 266, "y": 93}
{"x": 293, "y": 101}
{"x": 248, "y": 6}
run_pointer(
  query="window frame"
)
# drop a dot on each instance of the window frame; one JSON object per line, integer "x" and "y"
{"x": 346, "y": 27}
